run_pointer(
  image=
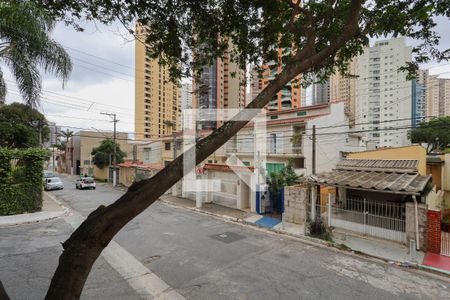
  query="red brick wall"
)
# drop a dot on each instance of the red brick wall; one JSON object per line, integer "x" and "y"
{"x": 434, "y": 231}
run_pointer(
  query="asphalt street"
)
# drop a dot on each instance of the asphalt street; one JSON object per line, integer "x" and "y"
{"x": 202, "y": 257}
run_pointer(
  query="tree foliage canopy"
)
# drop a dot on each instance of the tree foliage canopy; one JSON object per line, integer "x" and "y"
{"x": 258, "y": 28}
{"x": 435, "y": 133}
{"x": 285, "y": 177}
{"x": 317, "y": 37}
{"x": 26, "y": 46}
{"x": 20, "y": 126}
{"x": 67, "y": 134}
{"x": 103, "y": 153}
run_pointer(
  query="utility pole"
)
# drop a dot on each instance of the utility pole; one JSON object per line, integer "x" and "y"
{"x": 114, "y": 116}
{"x": 314, "y": 149}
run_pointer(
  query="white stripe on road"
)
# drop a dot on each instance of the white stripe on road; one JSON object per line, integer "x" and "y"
{"x": 146, "y": 283}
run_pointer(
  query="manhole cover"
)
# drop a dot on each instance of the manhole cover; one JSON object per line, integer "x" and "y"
{"x": 228, "y": 237}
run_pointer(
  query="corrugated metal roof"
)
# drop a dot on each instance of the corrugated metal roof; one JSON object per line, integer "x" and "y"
{"x": 399, "y": 182}
{"x": 390, "y": 165}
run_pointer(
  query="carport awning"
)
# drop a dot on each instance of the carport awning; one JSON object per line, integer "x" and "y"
{"x": 391, "y": 182}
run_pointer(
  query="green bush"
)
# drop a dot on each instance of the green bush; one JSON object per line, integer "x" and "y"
{"x": 21, "y": 180}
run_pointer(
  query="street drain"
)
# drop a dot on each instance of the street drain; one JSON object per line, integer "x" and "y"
{"x": 228, "y": 237}
{"x": 151, "y": 258}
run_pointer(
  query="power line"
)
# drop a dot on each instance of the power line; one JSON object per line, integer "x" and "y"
{"x": 98, "y": 57}
{"x": 73, "y": 97}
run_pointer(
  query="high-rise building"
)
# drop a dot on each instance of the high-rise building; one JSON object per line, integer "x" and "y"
{"x": 315, "y": 94}
{"x": 185, "y": 102}
{"x": 290, "y": 95}
{"x": 256, "y": 84}
{"x": 437, "y": 96}
{"x": 156, "y": 97}
{"x": 419, "y": 107}
{"x": 383, "y": 95}
{"x": 53, "y": 134}
{"x": 343, "y": 88}
{"x": 186, "y": 96}
{"x": 220, "y": 85}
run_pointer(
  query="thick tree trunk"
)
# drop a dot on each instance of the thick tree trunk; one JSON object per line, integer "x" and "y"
{"x": 3, "y": 294}
{"x": 93, "y": 235}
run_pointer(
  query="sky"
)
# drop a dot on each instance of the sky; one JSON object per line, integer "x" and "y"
{"x": 102, "y": 79}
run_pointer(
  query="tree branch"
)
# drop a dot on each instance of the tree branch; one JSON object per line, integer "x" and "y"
{"x": 3, "y": 294}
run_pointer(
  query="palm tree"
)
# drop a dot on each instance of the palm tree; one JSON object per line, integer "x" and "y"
{"x": 25, "y": 46}
{"x": 67, "y": 135}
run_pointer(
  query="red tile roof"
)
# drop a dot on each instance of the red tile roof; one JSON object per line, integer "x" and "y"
{"x": 226, "y": 168}
{"x": 139, "y": 164}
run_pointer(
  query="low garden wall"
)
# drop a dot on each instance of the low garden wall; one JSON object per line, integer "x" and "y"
{"x": 296, "y": 199}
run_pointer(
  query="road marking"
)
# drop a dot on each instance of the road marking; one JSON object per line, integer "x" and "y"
{"x": 146, "y": 283}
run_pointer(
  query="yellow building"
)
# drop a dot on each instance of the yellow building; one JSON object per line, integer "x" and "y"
{"x": 288, "y": 97}
{"x": 83, "y": 142}
{"x": 156, "y": 97}
{"x": 416, "y": 152}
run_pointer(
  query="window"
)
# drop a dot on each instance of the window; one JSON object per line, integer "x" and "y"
{"x": 167, "y": 146}
{"x": 273, "y": 143}
{"x": 274, "y": 167}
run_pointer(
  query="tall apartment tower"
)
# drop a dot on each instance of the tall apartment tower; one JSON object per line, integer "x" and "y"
{"x": 256, "y": 84}
{"x": 343, "y": 88}
{"x": 383, "y": 95}
{"x": 220, "y": 85}
{"x": 156, "y": 97}
{"x": 437, "y": 96}
{"x": 315, "y": 94}
{"x": 186, "y": 96}
{"x": 419, "y": 95}
{"x": 290, "y": 95}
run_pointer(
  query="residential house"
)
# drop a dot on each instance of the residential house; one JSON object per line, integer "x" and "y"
{"x": 79, "y": 148}
{"x": 135, "y": 171}
{"x": 414, "y": 152}
{"x": 438, "y": 166}
{"x": 384, "y": 198}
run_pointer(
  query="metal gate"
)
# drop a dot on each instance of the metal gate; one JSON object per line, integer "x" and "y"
{"x": 370, "y": 217}
{"x": 445, "y": 243}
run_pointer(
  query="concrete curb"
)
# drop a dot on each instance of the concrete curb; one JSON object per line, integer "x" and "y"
{"x": 433, "y": 270}
{"x": 320, "y": 243}
{"x": 29, "y": 218}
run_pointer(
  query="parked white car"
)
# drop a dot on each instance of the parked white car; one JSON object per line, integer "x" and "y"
{"x": 85, "y": 183}
{"x": 53, "y": 183}
{"x": 48, "y": 174}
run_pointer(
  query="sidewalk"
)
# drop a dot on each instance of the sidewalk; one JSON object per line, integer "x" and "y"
{"x": 436, "y": 261}
{"x": 375, "y": 247}
{"x": 210, "y": 208}
{"x": 51, "y": 209}
{"x": 390, "y": 252}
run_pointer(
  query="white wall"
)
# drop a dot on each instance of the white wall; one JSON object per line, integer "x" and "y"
{"x": 152, "y": 154}
{"x": 328, "y": 147}
{"x": 383, "y": 94}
